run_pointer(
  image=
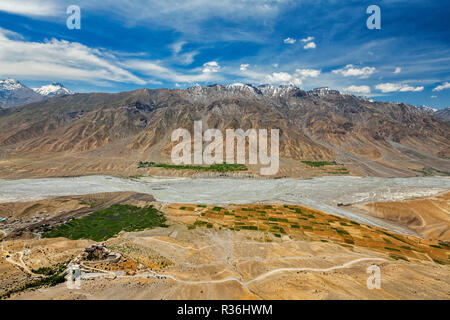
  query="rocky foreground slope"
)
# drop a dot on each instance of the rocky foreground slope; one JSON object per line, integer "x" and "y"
{"x": 108, "y": 133}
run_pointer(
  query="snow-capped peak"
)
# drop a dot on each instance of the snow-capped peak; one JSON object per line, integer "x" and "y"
{"x": 10, "y": 84}
{"x": 426, "y": 109}
{"x": 53, "y": 89}
{"x": 272, "y": 91}
{"x": 323, "y": 91}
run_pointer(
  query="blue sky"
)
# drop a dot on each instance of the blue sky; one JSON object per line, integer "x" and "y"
{"x": 125, "y": 45}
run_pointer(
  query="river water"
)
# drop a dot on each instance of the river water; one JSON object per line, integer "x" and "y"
{"x": 322, "y": 193}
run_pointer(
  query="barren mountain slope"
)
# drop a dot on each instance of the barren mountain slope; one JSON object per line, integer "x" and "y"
{"x": 443, "y": 113}
{"x": 429, "y": 217}
{"x": 55, "y": 136}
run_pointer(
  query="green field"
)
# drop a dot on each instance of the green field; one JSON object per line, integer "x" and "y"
{"x": 223, "y": 167}
{"x": 104, "y": 224}
{"x": 319, "y": 163}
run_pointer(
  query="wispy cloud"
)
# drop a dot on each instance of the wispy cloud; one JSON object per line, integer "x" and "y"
{"x": 358, "y": 89}
{"x": 397, "y": 87}
{"x": 289, "y": 41}
{"x": 209, "y": 72}
{"x": 58, "y": 59}
{"x": 351, "y": 71}
{"x": 308, "y": 39}
{"x": 30, "y": 7}
{"x": 244, "y": 66}
{"x": 305, "y": 73}
{"x": 445, "y": 85}
{"x": 283, "y": 78}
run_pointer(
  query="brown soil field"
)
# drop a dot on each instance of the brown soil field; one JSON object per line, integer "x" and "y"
{"x": 429, "y": 217}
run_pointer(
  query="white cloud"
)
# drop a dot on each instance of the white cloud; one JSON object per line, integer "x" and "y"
{"x": 433, "y": 97}
{"x": 398, "y": 70}
{"x": 211, "y": 66}
{"x": 304, "y": 73}
{"x": 351, "y": 71}
{"x": 183, "y": 58}
{"x": 407, "y": 88}
{"x": 289, "y": 41}
{"x": 153, "y": 69}
{"x": 445, "y": 85}
{"x": 308, "y": 39}
{"x": 244, "y": 67}
{"x": 358, "y": 89}
{"x": 187, "y": 17}
{"x": 30, "y": 7}
{"x": 275, "y": 65}
{"x": 278, "y": 77}
{"x": 283, "y": 78}
{"x": 397, "y": 87}
{"x": 310, "y": 45}
{"x": 295, "y": 78}
{"x": 59, "y": 59}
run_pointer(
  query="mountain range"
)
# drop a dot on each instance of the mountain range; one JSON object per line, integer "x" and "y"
{"x": 14, "y": 93}
{"x": 107, "y": 133}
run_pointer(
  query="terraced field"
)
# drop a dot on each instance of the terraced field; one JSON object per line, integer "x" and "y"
{"x": 301, "y": 223}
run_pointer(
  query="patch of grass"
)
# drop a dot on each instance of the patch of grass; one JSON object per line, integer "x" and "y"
{"x": 104, "y": 224}
{"x": 398, "y": 257}
{"x": 349, "y": 241}
{"x": 392, "y": 249}
{"x": 45, "y": 271}
{"x": 250, "y": 227}
{"x": 444, "y": 244}
{"x": 393, "y": 236}
{"x": 222, "y": 167}
{"x": 319, "y": 163}
{"x": 340, "y": 231}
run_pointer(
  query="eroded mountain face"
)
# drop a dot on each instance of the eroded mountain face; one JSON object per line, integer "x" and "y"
{"x": 370, "y": 138}
{"x": 443, "y": 114}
